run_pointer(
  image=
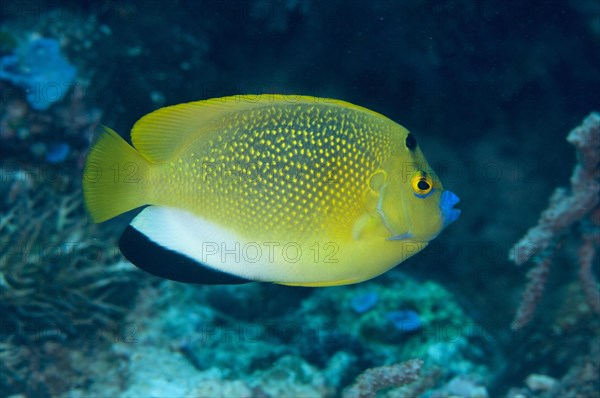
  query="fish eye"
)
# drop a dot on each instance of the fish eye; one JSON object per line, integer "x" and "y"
{"x": 422, "y": 185}
{"x": 411, "y": 141}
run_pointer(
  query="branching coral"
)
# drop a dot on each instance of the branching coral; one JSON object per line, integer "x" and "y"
{"x": 568, "y": 207}
{"x": 376, "y": 379}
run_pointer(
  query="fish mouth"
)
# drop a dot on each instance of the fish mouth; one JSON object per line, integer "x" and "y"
{"x": 449, "y": 213}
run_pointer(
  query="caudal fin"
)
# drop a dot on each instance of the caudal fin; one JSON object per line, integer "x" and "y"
{"x": 114, "y": 178}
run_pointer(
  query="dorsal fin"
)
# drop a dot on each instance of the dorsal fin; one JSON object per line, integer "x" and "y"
{"x": 160, "y": 134}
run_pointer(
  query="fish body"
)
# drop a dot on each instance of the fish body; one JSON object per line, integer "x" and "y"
{"x": 292, "y": 190}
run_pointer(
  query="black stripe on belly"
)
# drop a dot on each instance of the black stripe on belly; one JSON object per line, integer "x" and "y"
{"x": 169, "y": 264}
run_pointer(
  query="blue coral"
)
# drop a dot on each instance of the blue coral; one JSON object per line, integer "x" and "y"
{"x": 41, "y": 70}
{"x": 364, "y": 302}
{"x": 406, "y": 321}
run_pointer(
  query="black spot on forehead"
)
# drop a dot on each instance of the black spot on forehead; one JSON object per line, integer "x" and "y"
{"x": 411, "y": 142}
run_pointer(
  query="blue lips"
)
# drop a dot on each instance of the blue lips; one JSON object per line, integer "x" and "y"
{"x": 449, "y": 213}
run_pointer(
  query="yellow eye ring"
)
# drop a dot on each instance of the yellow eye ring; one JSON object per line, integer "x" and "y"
{"x": 421, "y": 184}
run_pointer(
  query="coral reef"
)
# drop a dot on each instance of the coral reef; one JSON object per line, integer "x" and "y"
{"x": 58, "y": 281}
{"x": 580, "y": 380}
{"x": 579, "y": 206}
{"x": 63, "y": 283}
{"x": 41, "y": 70}
{"x": 281, "y": 342}
{"x": 377, "y": 379}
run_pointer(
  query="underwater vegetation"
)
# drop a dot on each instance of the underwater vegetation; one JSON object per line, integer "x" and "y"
{"x": 489, "y": 89}
{"x": 60, "y": 277}
{"x": 54, "y": 284}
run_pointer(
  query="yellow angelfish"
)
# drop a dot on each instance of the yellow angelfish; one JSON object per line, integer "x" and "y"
{"x": 294, "y": 190}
